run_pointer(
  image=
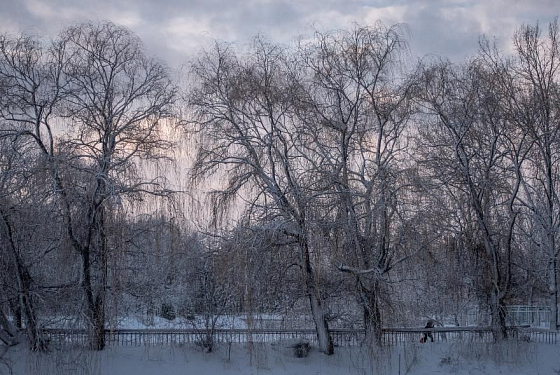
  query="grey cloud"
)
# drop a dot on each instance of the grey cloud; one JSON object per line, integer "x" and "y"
{"x": 432, "y": 33}
{"x": 174, "y": 29}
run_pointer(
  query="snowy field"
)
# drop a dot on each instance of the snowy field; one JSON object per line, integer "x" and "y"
{"x": 514, "y": 358}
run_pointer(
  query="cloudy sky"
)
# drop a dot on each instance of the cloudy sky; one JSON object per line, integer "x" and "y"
{"x": 175, "y": 29}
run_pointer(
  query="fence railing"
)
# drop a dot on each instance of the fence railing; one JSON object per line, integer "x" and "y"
{"x": 536, "y": 316}
{"x": 341, "y": 337}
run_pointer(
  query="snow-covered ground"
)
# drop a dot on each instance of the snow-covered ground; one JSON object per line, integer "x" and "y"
{"x": 513, "y": 358}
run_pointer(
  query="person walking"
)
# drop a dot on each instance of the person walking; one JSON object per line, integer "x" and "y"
{"x": 427, "y": 334}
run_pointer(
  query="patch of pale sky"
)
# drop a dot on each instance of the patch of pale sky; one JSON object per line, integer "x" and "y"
{"x": 9, "y": 25}
{"x": 130, "y": 19}
{"x": 186, "y": 33}
{"x": 463, "y": 20}
{"x": 39, "y": 9}
{"x": 46, "y": 11}
{"x": 389, "y": 15}
{"x": 329, "y": 19}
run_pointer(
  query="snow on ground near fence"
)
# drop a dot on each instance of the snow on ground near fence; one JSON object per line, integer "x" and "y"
{"x": 513, "y": 358}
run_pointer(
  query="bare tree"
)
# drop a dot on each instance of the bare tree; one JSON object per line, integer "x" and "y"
{"x": 357, "y": 107}
{"x": 118, "y": 100}
{"x": 534, "y": 105}
{"x": 243, "y": 107}
{"x": 477, "y": 149}
{"x": 29, "y": 96}
{"x": 112, "y": 101}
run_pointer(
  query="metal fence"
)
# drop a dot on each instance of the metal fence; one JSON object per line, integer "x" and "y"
{"x": 341, "y": 337}
{"x": 536, "y": 316}
{"x": 533, "y": 315}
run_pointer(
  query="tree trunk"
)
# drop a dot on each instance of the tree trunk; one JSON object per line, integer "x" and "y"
{"x": 15, "y": 307}
{"x": 24, "y": 280}
{"x": 498, "y": 315}
{"x": 95, "y": 305}
{"x": 95, "y": 312}
{"x": 94, "y": 269}
{"x": 372, "y": 315}
{"x": 8, "y": 332}
{"x": 553, "y": 287}
{"x": 325, "y": 341}
{"x": 98, "y": 328}
{"x": 36, "y": 340}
